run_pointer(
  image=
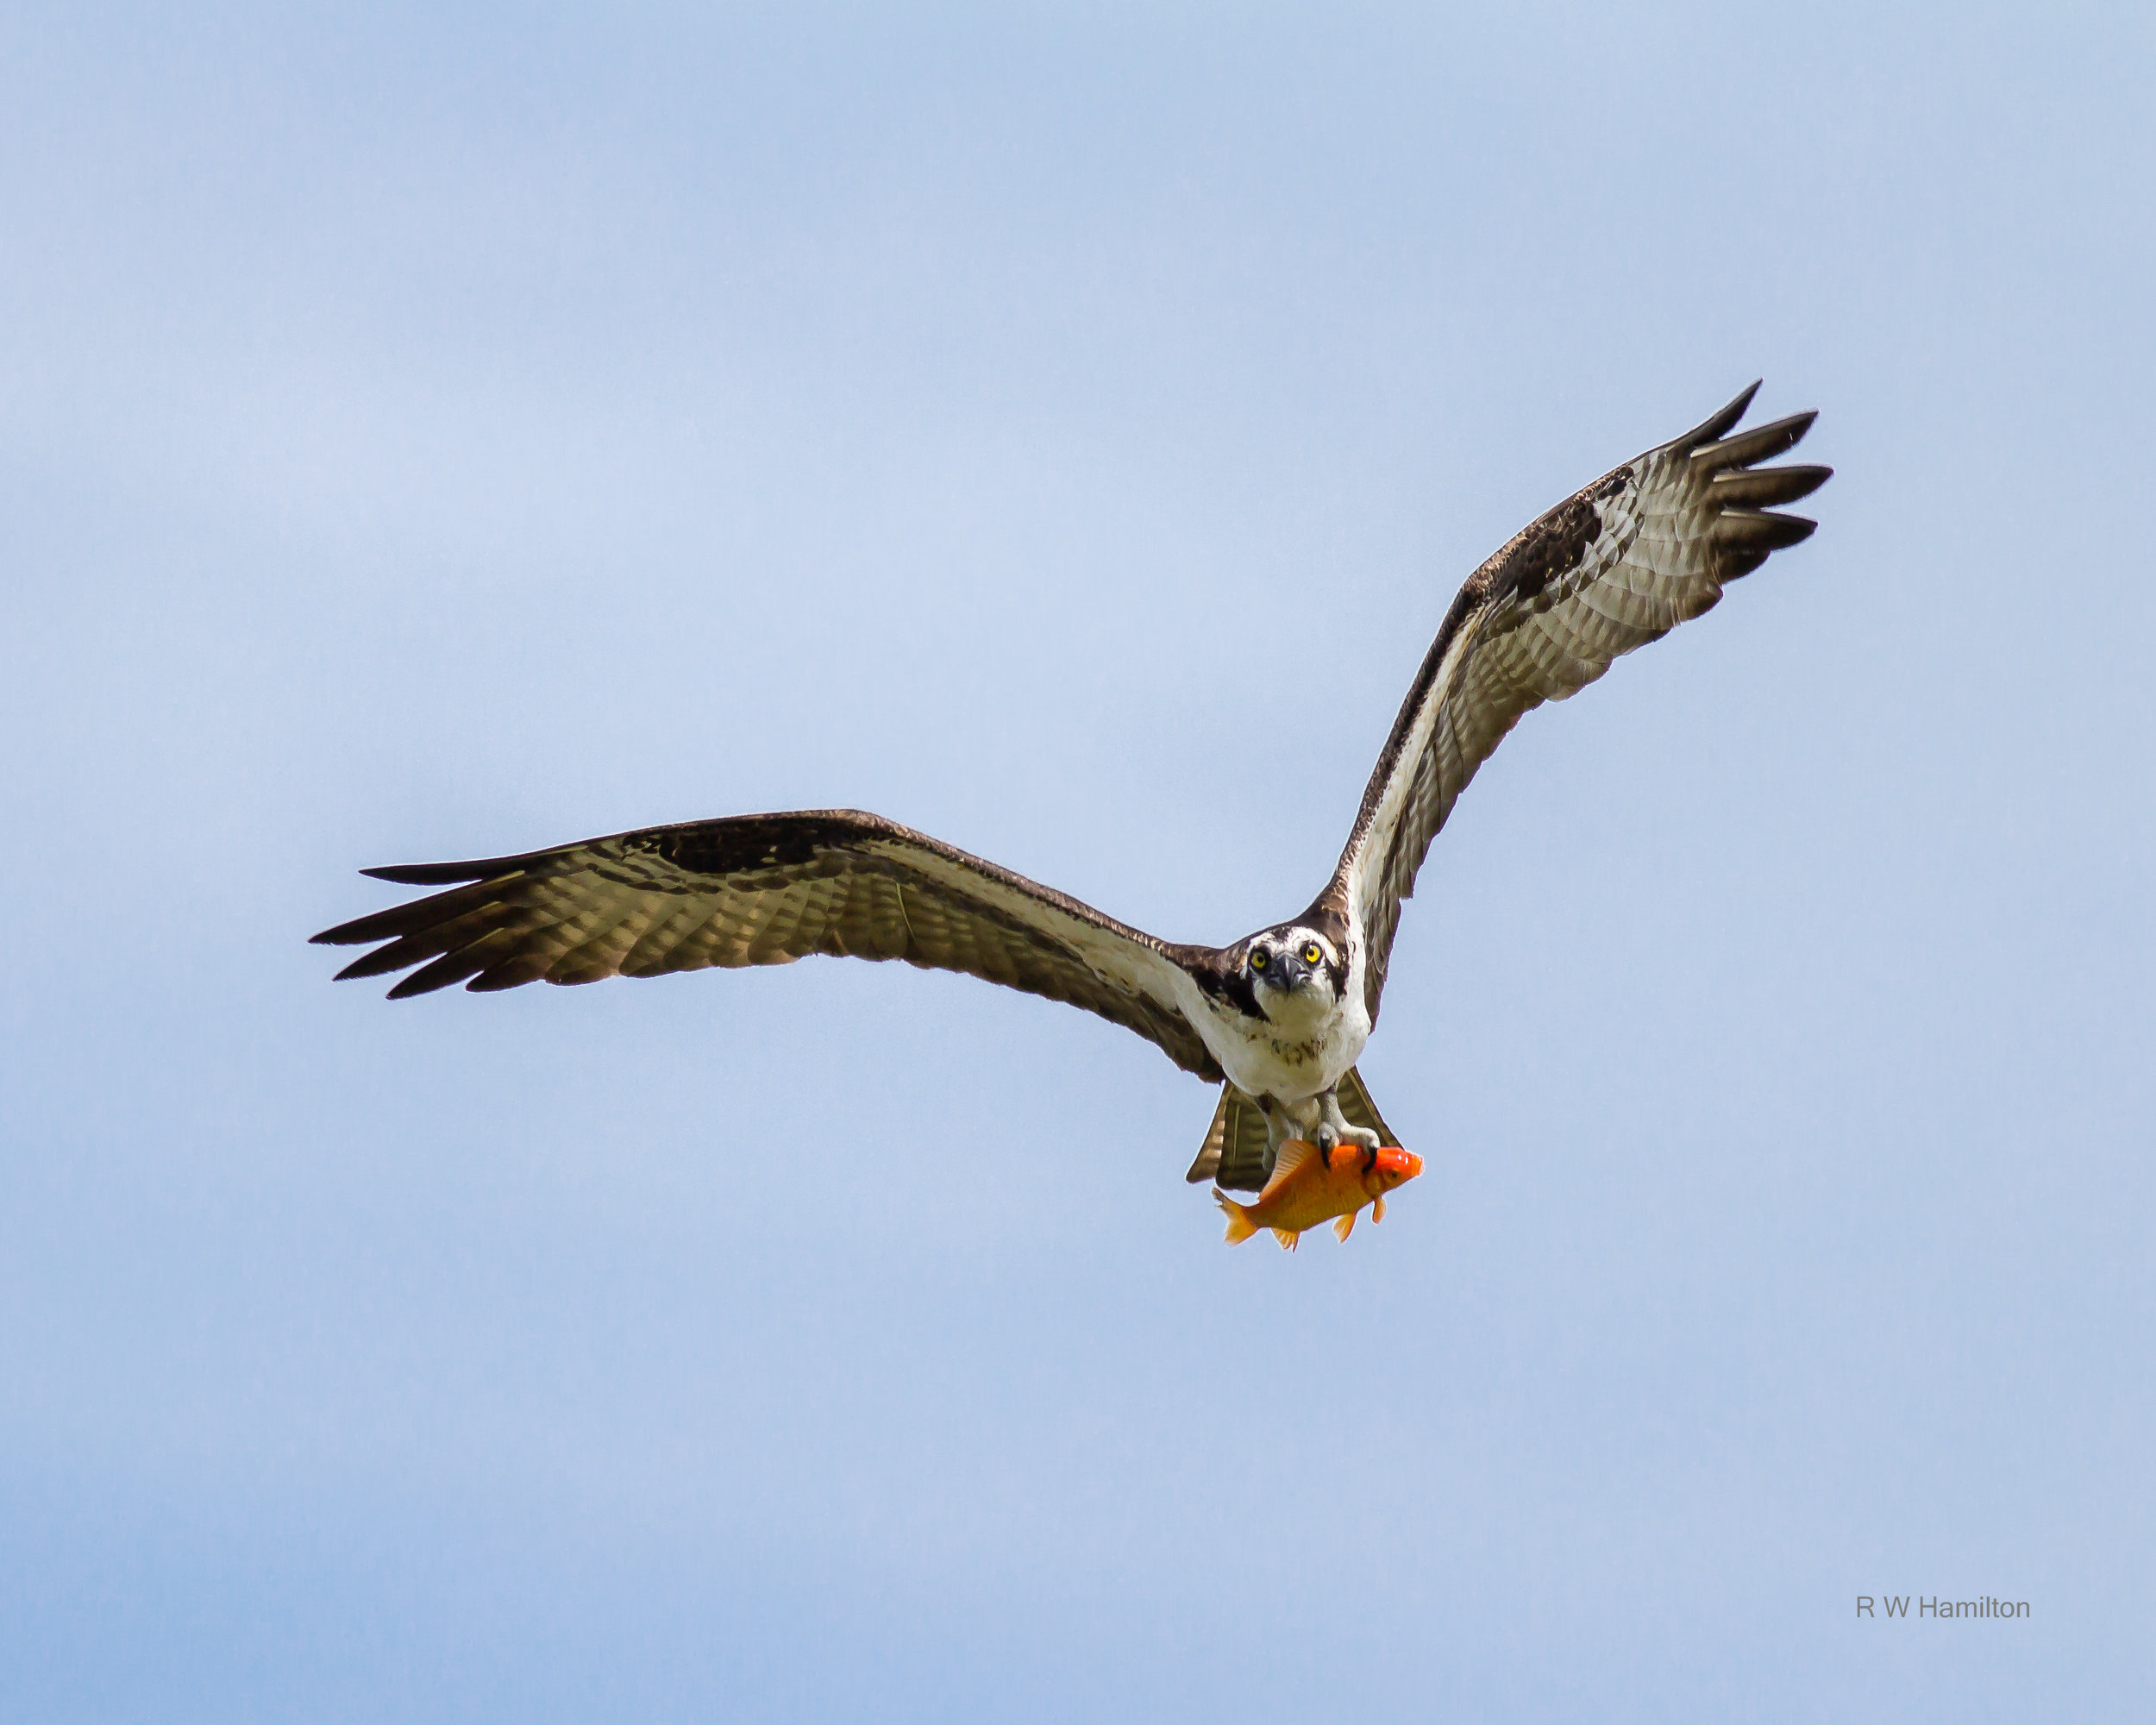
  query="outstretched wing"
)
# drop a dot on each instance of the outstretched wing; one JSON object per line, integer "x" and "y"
{"x": 767, "y": 889}
{"x": 1612, "y": 567}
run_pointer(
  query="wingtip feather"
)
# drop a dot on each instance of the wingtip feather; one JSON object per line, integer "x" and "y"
{"x": 1761, "y": 443}
{"x": 371, "y": 964}
{"x": 427, "y": 874}
{"x": 1749, "y": 530}
{"x": 1764, "y": 487}
{"x": 353, "y": 933}
{"x": 1718, "y": 424}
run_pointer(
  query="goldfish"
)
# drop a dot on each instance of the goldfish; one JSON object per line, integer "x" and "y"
{"x": 1309, "y": 1187}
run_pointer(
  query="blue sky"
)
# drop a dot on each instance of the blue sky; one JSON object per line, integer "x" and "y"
{"x": 440, "y": 432}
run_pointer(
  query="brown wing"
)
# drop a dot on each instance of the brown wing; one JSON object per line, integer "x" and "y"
{"x": 1612, "y": 567}
{"x": 767, "y": 889}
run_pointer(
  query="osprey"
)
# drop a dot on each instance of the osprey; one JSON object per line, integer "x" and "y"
{"x": 1277, "y": 1019}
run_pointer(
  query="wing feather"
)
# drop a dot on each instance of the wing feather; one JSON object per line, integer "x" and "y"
{"x": 767, "y": 889}
{"x": 1614, "y": 567}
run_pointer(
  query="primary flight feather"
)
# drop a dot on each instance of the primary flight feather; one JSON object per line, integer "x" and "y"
{"x": 1278, "y": 1018}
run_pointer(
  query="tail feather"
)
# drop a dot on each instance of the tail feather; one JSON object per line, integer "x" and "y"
{"x": 1240, "y": 1226}
{"x": 1233, "y": 1154}
{"x": 1358, "y": 1110}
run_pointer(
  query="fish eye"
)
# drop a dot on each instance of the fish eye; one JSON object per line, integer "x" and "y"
{"x": 1257, "y": 958}
{"x": 1310, "y": 953}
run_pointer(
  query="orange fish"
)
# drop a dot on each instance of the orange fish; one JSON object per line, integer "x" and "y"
{"x": 1308, "y": 1187}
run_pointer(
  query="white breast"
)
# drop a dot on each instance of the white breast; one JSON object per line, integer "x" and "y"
{"x": 1290, "y": 1061}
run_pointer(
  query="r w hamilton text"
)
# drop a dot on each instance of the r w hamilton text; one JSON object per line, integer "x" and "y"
{"x": 1897, "y": 1605}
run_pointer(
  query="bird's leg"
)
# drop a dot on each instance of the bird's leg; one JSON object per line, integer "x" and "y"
{"x": 1332, "y": 1126}
{"x": 1280, "y": 1126}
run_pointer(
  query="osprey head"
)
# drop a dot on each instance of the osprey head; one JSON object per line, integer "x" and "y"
{"x": 1294, "y": 971}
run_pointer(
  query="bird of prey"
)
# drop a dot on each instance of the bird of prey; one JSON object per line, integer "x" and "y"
{"x": 1278, "y": 1018}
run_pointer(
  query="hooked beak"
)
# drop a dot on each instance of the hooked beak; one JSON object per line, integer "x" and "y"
{"x": 1288, "y": 972}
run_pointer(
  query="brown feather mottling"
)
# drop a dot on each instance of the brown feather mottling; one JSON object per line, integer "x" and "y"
{"x": 1615, "y": 566}
{"x": 1547, "y": 550}
{"x": 768, "y": 889}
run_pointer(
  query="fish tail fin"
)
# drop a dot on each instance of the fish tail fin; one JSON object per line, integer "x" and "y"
{"x": 1240, "y": 1226}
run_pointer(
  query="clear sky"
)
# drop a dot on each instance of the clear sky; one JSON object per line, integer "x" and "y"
{"x": 437, "y": 432}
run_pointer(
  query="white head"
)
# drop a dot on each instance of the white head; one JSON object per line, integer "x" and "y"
{"x": 1295, "y": 974}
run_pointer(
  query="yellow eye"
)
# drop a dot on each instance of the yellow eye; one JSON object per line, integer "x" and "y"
{"x": 1310, "y": 953}
{"x": 1257, "y": 961}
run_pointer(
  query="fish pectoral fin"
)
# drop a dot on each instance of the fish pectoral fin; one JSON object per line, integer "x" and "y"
{"x": 1343, "y": 1227}
{"x": 1378, "y": 1208}
{"x": 1288, "y": 1237}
